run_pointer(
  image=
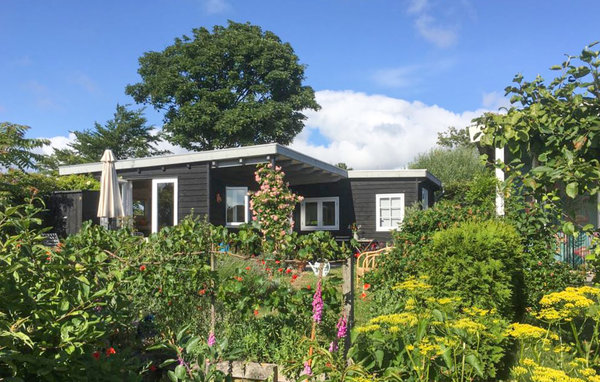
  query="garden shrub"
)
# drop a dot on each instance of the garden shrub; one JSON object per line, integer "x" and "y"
{"x": 417, "y": 230}
{"x": 320, "y": 245}
{"x": 562, "y": 341}
{"x": 63, "y": 310}
{"x": 480, "y": 262}
{"x": 429, "y": 338}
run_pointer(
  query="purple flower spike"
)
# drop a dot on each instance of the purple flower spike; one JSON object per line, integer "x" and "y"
{"x": 317, "y": 304}
{"x": 333, "y": 346}
{"x": 342, "y": 327}
{"x": 211, "y": 339}
{"x": 307, "y": 369}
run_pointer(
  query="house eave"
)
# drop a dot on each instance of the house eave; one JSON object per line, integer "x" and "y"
{"x": 396, "y": 174}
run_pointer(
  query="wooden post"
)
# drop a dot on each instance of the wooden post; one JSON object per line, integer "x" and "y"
{"x": 275, "y": 374}
{"x": 348, "y": 293}
{"x": 213, "y": 313}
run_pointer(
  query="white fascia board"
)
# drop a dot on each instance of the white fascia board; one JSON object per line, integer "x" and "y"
{"x": 409, "y": 173}
{"x": 293, "y": 154}
{"x": 203, "y": 156}
{"x": 269, "y": 149}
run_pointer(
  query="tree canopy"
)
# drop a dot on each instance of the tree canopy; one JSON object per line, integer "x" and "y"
{"x": 235, "y": 86}
{"x": 552, "y": 131}
{"x": 127, "y": 134}
{"x": 16, "y": 151}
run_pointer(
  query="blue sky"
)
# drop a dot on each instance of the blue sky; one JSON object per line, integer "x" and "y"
{"x": 381, "y": 69}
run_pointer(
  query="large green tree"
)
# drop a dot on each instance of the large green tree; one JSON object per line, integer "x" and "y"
{"x": 552, "y": 132}
{"x": 127, "y": 134}
{"x": 16, "y": 151}
{"x": 238, "y": 85}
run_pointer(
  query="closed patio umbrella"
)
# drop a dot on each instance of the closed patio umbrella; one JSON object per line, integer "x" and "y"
{"x": 110, "y": 205}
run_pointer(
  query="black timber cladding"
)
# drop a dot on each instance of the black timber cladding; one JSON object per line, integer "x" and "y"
{"x": 68, "y": 210}
{"x": 364, "y": 191}
{"x": 192, "y": 184}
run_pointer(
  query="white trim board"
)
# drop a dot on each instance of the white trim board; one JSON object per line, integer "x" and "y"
{"x": 155, "y": 183}
{"x": 319, "y": 201}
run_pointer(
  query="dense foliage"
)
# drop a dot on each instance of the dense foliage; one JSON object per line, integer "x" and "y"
{"x": 126, "y": 134}
{"x": 552, "y": 132}
{"x": 234, "y": 86}
{"x": 16, "y": 151}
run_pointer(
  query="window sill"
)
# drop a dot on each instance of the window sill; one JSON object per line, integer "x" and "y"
{"x": 316, "y": 228}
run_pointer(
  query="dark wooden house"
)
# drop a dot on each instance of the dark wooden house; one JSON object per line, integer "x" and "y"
{"x": 160, "y": 191}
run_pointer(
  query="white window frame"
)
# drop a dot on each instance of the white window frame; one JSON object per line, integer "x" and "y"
{"x": 424, "y": 198}
{"x": 246, "y": 206}
{"x": 320, "y": 226}
{"x": 155, "y": 183}
{"x": 378, "y": 197}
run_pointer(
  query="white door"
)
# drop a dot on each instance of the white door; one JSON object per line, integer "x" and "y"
{"x": 164, "y": 203}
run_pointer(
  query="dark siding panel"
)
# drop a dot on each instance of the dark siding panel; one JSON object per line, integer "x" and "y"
{"x": 340, "y": 189}
{"x": 192, "y": 184}
{"x": 363, "y": 196}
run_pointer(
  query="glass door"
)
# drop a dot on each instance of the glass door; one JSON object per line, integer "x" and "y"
{"x": 164, "y": 203}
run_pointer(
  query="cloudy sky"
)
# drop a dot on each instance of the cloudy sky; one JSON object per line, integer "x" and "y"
{"x": 389, "y": 74}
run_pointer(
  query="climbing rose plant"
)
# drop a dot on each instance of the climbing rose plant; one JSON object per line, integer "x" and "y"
{"x": 272, "y": 206}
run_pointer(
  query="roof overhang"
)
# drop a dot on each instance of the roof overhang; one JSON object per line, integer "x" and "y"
{"x": 410, "y": 173}
{"x": 238, "y": 156}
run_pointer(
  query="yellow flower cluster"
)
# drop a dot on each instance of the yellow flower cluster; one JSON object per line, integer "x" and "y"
{"x": 404, "y": 318}
{"x": 547, "y": 374}
{"x": 413, "y": 284}
{"x": 527, "y": 332}
{"x": 517, "y": 371}
{"x": 443, "y": 300}
{"x": 567, "y": 304}
{"x": 469, "y": 325}
{"x": 367, "y": 328}
{"x": 475, "y": 311}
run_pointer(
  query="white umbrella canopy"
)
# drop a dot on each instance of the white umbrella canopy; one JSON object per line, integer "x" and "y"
{"x": 110, "y": 205}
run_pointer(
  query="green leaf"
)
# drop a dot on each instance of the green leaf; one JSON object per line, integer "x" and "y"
{"x": 379, "y": 356}
{"x": 572, "y": 189}
{"x": 568, "y": 228}
{"x": 180, "y": 371}
{"x": 172, "y": 376}
{"x": 474, "y": 361}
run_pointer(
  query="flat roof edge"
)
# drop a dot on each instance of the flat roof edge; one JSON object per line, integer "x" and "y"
{"x": 409, "y": 173}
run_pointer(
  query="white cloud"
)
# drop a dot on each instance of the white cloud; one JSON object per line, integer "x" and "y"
{"x": 215, "y": 6}
{"x": 494, "y": 101}
{"x": 56, "y": 142}
{"x": 400, "y": 77}
{"x": 84, "y": 81}
{"x": 44, "y": 99}
{"x": 438, "y": 21}
{"x": 375, "y": 131}
{"x": 441, "y": 36}
{"x": 417, "y": 6}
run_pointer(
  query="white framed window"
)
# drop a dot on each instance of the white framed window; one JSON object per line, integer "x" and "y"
{"x": 424, "y": 198}
{"x": 390, "y": 211}
{"x": 164, "y": 203}
{"x": 320, "y": 214}
{"x": 236, "y": 206}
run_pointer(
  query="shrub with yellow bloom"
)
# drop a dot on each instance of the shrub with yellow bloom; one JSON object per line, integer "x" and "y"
{"x": 528, "y": 332}
{"x": 567, "y": 304}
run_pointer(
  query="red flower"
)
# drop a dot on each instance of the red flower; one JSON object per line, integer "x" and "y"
{"x": 308, "y": 287}
{"x": 239, "y": 278}
{"x": 294, "y": 277}
{"x": 110, "y": 351}
{"x": 277, "y": 261}
{"x": 96, "y": 354}
{"x": 267, "y": 269}
{"x": 288, "y": 270}
{"x": 142, "y": 268}
{"x": 48, "y": 258}
{"x": 247, "y": 268}
{"x": 153, "y": 368}
{"x": 357, "y": 254}
{"x": 201, "y": 292}
{"x": 263, "y": 262}
{"x": 256, "y": 312}
{"x": 280, "y": 270}
{"x": 366, "y": 286}
{"x": 363, "y": 295}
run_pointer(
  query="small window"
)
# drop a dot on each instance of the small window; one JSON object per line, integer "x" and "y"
{"x": 390, "y": 211}
{"x": 320, "y": 214}
{"x": 236, "y": 203}
{"x": 424, "y": 198}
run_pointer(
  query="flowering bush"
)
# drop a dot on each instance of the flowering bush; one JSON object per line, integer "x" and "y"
{"x": 63, "y": 311}
{"x": 564, "y": 344}
{"x": 430, "y": 339}
{"x": 272, "y": 206}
